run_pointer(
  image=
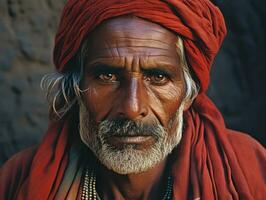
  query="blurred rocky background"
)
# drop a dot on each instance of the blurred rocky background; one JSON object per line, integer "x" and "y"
{"x": 27, "y": 29}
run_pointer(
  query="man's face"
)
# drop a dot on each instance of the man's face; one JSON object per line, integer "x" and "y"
{"x": 131, "y": 113}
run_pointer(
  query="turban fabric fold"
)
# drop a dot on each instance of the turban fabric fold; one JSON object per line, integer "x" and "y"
{"x": 200, "y": 24}
{"x": 207, "y": 162}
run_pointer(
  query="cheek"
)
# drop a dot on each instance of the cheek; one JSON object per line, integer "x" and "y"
{"x": 165, "y": 101}
{"x": 98, "y": 101}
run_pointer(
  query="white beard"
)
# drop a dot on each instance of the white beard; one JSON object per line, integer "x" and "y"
{"x": 128, "y": 160}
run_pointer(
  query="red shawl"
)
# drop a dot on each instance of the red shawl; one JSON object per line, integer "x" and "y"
{"x": 212, "y": 162}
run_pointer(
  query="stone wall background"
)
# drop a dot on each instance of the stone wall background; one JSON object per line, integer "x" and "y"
{"x": 27, "y": 29}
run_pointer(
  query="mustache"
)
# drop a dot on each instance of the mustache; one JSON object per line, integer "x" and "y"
{"x": 123, "y": 127}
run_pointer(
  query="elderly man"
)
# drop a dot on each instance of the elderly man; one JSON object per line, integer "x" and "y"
{"x": 129, "y": 117}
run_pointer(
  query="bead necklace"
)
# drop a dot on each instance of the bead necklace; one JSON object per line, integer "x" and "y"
{"x": 169, "y": 189}
{"x": 89, "y": 187}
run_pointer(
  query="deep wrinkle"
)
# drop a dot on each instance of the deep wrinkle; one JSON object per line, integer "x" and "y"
{"x": 103, "y": 64}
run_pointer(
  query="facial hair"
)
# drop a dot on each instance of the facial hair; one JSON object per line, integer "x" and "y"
{"x": 128, "y": 159}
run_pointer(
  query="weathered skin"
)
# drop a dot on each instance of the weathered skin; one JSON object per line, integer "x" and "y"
{"x": 133, "y": 71}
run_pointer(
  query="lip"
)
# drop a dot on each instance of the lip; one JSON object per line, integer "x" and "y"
{"x": 129, "y": 139}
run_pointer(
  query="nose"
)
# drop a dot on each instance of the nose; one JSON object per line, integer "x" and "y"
{"x": 133, "y": 103}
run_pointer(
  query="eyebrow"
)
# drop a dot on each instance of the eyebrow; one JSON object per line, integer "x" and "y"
{"x": 102, "y": 66}
{"x": 167, "y": 68}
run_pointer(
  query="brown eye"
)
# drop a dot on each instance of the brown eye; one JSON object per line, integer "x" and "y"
{"x": 159, "y": 79}
{"x": 108, "y": 77}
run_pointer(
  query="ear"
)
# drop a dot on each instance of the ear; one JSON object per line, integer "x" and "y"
{"x": 187, "y": 104}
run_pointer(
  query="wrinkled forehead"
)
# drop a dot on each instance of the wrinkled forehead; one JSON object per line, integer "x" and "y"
{"x": 132, "y": 37}
{"x": 131, "y": 31}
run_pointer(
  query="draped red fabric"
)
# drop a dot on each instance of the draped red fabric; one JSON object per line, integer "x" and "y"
{"x": 209, "y": 162}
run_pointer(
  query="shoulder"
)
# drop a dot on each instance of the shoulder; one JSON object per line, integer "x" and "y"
{"x": 251, "y": 156}
{"x": 19, "y": 161}
{"x": 14, "y": 171}
{"x": 247, "y": 149}
{"x": 243, "y": 143}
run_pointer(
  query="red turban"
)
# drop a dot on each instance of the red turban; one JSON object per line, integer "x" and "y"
{"x": 211, "y": 161}
{"x": 199, "y": 22}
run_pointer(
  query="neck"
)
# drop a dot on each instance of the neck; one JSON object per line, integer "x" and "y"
{"x": 147, "y": 185}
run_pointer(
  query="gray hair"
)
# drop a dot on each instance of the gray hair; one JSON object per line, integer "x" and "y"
{"x": 63, "y": 89}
